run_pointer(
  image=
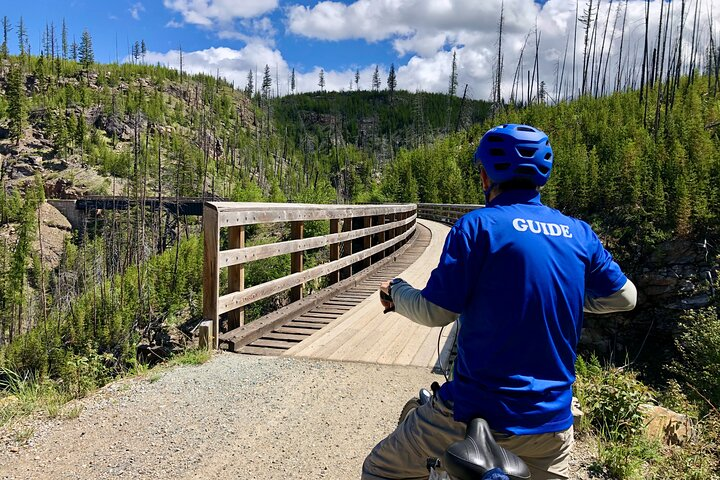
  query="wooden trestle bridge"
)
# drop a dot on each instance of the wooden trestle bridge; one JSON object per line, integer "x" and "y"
{"x": 343, "y": 321}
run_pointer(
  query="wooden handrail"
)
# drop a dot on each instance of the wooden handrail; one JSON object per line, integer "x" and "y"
{"x": 260, "y": 252}
{"x": 385, "y": 228}
{"x": 448, "y": 213}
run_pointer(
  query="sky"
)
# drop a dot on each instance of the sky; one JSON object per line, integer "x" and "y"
{"x": 417, "y": 37}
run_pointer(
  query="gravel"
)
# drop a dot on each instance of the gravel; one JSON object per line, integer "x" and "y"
{"x": 240, "y": 416}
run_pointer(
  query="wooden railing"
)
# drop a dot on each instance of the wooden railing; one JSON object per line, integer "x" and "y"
{"x": 381, "y": 229}
{"x": 444, "y": 212}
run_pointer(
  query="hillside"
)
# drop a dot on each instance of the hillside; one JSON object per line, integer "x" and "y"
{"x": 379, "y": 123}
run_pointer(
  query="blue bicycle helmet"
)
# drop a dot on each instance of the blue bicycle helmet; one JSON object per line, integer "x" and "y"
{"x": 512, "y": 151}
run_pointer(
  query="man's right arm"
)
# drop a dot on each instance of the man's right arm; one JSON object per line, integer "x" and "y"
{"x": 621, "y": 301}
{"x": 607, "y": 289}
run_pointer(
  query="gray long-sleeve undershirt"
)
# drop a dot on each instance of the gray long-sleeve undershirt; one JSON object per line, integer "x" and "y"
{"x": 410, "y": 303}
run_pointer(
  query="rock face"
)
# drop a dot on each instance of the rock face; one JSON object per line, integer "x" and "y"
{"x": 666, "y": 426}
{"x": 677, "y": 276}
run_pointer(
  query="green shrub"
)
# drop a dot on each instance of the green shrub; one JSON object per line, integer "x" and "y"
{"x": 699, "y": 356}
{"x": 611, "y": 397}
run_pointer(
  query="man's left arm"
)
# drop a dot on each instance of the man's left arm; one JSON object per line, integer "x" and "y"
{"x": 410, "y": 303}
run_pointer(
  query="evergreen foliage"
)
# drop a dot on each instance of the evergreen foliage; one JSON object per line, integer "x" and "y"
{"x": 17, "y": 111}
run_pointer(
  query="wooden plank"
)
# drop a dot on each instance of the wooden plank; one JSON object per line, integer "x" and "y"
{"x": 427, "y": 353}
{"x": 315, "y": 320}
{"x": 231, "y": 214}
{"x": 234, "y": 300}
{"x": 211, "y": 270}
{"x": 285, "y": 336}
{"x": 296, "y": 330}
{"x": 262, "y": 342}
{"x": 314, "y": 314}
{"x": 259, "y": 252}
{"x": 248, "y": 350}
{"x": 236, "y": 276}
{"x": 297, "y": 230}
{"x": 298, "y": 324}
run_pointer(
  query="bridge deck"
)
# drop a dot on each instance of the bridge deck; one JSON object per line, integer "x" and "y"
{"x": 365, "y": 334}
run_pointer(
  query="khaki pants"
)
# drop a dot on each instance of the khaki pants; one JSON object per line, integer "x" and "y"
{"x": 430, "y": 429}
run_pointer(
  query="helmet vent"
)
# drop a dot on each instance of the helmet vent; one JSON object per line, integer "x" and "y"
{"x": 501, "y": 166}
{"x": 544, "y": 170}
{"x": 548, "y": 156}
{"x": 497, "y": 152}
{"x": 526, "y": 129}
{"x": 526, "y": 152}
{"x": 524, "y": 170}
{"x": 494, "y": 138}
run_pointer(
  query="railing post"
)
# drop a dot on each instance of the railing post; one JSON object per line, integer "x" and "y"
{"x": 382, "y": 236}
{"x": 296, "y": 259}
{"x": 367, "y": 241}
{"x": 236, "y": 276}
{"x": 211, "y": 270}
{"x": 334, "y": 277}
{"x": 347, "y": 249}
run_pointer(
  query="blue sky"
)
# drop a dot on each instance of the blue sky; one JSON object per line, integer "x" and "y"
{"x": 340, "y": 37}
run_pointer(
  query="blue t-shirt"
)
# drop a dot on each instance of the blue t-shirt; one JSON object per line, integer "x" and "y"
{"x": 517, "y": 272}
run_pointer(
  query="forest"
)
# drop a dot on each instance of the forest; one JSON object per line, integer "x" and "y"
{"x": 637, "y": 156}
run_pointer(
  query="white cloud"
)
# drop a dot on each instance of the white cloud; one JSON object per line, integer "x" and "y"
{"x": 136, "y": 9}
{"x": 422, "y": 33}
{"x": 208, "y": 13}
{"x": 174, "y": 24}
{"x": 229, "y": 63}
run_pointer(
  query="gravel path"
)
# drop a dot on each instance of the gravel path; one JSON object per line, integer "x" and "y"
{"x": 238, "y": 416}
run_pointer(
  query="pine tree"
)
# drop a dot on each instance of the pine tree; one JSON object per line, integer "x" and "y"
{"x": 4, "y": 47}
{"x": 85, "y": 53}
{"x": 74, "y": 50}
{"x": 392, "y": 80}
{"x": 249, "y": 87}
{"x": 321, "y": 80}
{"x": 64, "y": 41}
{"x": 266, "y": 83}
{"x": 292, "y": 81}
{"x": 143, "y": 50}
{"x": 136, "y": 51}
{"x": 452, "y": 90}
{"x": 376, "y": 80}
{"x": 357, "y": 79}
{"x": 22, "y": 37}
{"x": 16, "y": 102}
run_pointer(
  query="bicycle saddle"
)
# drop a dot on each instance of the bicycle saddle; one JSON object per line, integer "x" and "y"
{"x": 479, "y": 453}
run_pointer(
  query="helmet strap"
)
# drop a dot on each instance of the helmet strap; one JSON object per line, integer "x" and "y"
{"x": 487, "y": 192}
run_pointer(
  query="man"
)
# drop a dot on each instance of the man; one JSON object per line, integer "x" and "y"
{"x": 518, "y": 275}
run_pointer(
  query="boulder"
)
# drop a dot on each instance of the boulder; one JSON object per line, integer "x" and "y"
{"x": 21, "y": 170}
{"x": 666, "y": 426}
{"x": 576, "y": 413}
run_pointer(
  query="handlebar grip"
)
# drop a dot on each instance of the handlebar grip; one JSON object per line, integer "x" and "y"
{"x": 384, "y": 296}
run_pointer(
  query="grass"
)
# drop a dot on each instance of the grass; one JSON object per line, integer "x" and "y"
{"x": 22, "y": 395}
{"x": 193, "y": 356}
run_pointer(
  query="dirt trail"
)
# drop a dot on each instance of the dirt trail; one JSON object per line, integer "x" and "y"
{"x": 238, "y": 416}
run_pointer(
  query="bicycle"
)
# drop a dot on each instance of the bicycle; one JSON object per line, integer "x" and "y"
{"x": 477, "y": 457}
